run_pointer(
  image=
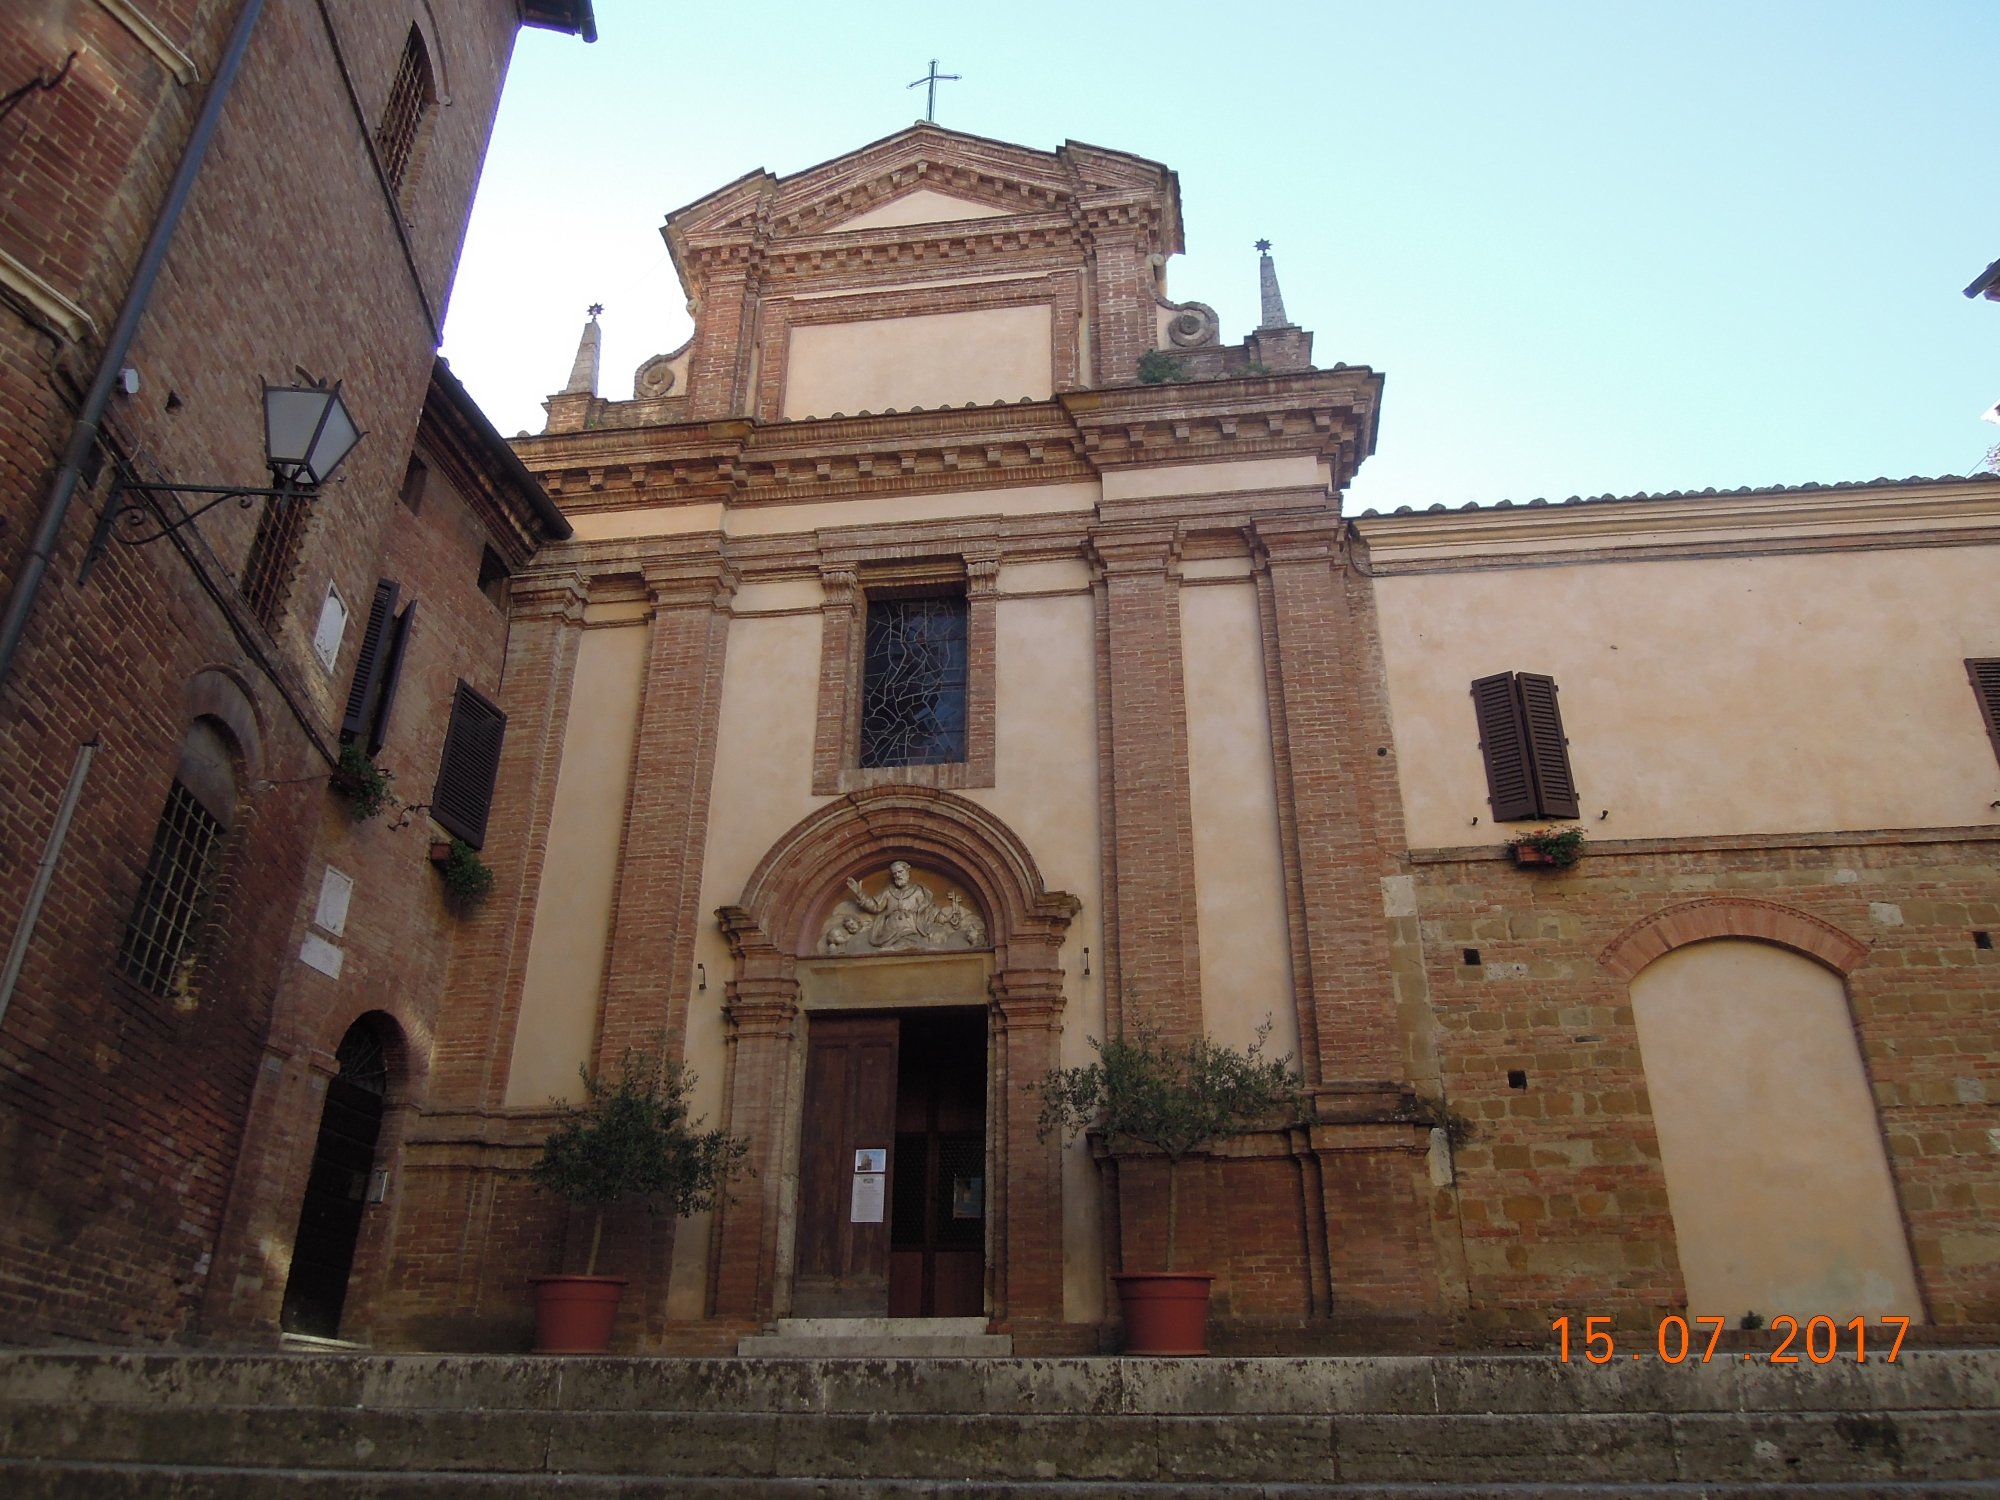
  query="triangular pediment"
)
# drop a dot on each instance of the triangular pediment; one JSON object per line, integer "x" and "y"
{"x": 923, "y": 206}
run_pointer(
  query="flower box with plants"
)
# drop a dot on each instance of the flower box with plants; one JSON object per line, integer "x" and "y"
{"x": 468, "y": 879}
{"x": 630, "y": 1140}
{"x": 1555, "y": 848}
{"x": 1146, "y": 1094}
{"x": 364, "y": 784}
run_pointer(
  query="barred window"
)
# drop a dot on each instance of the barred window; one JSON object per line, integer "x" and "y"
{"x": 913, "y": 682}
{"x": 274, "y": 555}
{"x": 162, "y": 935}
{"x": 402, "y": 135}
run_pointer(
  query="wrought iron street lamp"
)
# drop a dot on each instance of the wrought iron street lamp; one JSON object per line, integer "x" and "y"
{"x": 307, "y": 434}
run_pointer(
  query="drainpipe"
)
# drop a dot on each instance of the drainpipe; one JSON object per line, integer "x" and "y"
{"x": 17, "y": 953}
{"x": 83, "y": 434}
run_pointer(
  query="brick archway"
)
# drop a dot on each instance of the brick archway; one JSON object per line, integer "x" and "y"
{"x": 1731, "y": 917}
{"x": 771, "y": 929}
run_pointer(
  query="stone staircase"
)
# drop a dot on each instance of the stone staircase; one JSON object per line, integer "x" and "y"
{"x": 426, "y": 1427}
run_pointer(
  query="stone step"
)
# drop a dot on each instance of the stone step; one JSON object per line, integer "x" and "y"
{"x": 52, "y": 1481}
{"x": 1934, "y": 1379}
{"x": 1599, "y": 1447}
{"x": 871, "y": 1338}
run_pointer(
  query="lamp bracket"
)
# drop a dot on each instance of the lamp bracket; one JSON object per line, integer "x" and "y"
{"x": 118, "y": 506}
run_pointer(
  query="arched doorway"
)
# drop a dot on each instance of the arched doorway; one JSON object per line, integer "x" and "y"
{"x": 1776, "y": 1175}
{"x": 337, "y": 1189}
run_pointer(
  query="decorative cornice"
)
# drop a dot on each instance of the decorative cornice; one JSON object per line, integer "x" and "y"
{"x": 1888, "y": 512}
{"x": 1075, "y": 436}
{"x": 43, "y": 302}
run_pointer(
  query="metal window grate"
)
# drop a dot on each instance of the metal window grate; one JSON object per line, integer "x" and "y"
{"x": 410, "y": 98}
{"x": 274, "y": 555}
{"x": 913, "y": 683}
{"x": 160, "y": 938}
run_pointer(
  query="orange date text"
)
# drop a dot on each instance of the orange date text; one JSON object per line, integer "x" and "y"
{"x": 1820, "y": 1340}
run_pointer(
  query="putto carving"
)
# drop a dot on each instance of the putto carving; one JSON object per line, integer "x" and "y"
{"x": 903, "y": 916}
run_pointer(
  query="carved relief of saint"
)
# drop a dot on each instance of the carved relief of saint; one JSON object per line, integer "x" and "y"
{"x": 903, "y": 912}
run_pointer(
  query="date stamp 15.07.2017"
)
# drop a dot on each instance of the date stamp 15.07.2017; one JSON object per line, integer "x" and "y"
{"x": 1818, "y": 1340}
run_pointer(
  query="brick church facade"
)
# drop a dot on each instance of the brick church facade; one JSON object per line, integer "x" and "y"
{"x": 957, "y": 651}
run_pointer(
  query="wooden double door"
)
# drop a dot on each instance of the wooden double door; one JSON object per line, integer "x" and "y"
{"x": 892, "y": 1166}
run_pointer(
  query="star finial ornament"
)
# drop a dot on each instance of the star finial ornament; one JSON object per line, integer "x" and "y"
{"x": 596, "y": 308}
{"x": 1264, "y": 247}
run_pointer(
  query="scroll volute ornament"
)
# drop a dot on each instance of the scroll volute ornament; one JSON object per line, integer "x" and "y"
{"x": 899, "y": 912}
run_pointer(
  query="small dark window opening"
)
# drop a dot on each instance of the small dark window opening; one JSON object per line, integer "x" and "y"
{"x": 1521, "y": 740}
{"x": 493, "y": 576}
{"x": 1982, "y": 940}
{"x": 1517, "y": 1078}
{"x": 913, "y": 682}
{"x": 405, "y": 129}
{"x": 414, "y": 479}
{"x": 470, "y": 765}
{"x": 274, "y": 555}
{"x": 1471, "y": 957}
{"x": 162, "y": 935}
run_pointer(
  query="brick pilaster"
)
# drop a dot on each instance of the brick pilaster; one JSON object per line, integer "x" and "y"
{"x": 650, "y": 976}
{"x": 1027, "y": 1252}
{"x": 1327, "y": 806}
{"x": 1153, "y": 970}
{"x": 761, "y": 1012}
{"x": 475, "y": 1036}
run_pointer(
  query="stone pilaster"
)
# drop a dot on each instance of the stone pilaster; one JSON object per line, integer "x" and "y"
{"x": 1153, "y": 968}
{"x": 1027, "y": 1250}
{"x": 650, "y": 976}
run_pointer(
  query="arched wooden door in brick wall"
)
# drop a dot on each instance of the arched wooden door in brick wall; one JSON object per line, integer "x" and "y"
{"x": 894, "y": 918}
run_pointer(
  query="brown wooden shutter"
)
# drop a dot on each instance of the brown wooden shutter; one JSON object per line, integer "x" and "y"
{"x": 1503, "y": 741}
{"x": 392, "y": 673}
{"x": 464, "y": 793}
{"x": 366, "y": 688}
{"x": 1548, "y": 751}
{"x": 1985, "y": 675}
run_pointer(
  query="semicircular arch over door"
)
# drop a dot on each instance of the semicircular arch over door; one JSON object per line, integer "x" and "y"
{"x": 1776, "y": 1174}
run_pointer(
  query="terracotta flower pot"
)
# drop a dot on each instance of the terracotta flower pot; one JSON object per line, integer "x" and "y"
{"x": 1528, "y": 854}
{"x": 440, "y": 851}
{"x": 574, "y": 1314}
{"x": 1166, "y": 1312}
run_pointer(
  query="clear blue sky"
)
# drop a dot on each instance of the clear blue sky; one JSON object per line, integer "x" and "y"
{"x": 1595, "y": 248}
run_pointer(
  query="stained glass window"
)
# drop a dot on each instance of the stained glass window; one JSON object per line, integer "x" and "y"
{"x": 913, "y": 682}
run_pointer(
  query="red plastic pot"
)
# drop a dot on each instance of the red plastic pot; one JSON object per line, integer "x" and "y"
{"x": 1166, "y": 1312}
{"x": 574, "y": 1314}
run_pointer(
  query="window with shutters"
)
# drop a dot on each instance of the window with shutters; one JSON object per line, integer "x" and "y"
{"x": 464, "y": 793}
{"x": 162, "y": 935}
{"x": 1985, "y": 675}
{"x": 404, "y": 133}
{"x": 378, "y": 667}
{"x": 1521, "y": 740}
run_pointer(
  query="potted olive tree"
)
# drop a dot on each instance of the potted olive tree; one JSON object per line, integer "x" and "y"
{"x": 630, "y": 1139}
{"x": 1176, "y": 1099}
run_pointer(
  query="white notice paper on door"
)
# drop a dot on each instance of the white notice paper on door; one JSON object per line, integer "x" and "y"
{"x": 869, "y": 1196}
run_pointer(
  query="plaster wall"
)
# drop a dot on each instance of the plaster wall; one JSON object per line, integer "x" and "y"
{"x": 1776, "y": 1175}
{"x": 937, "y": 359}
{"x": 778, "y": 520}
{"x": 924, "y": 206}
{"x": 564, "y": 984}
{"x": 1239, "y": 879}
{"x": 1299, "y": 470}
{"x": 1748, "y": 694}
{"x": 762, "y": 786}
{"x": 1046, "y": 790}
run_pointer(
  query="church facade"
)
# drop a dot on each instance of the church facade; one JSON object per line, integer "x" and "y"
{"x": 961, "y": 654}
